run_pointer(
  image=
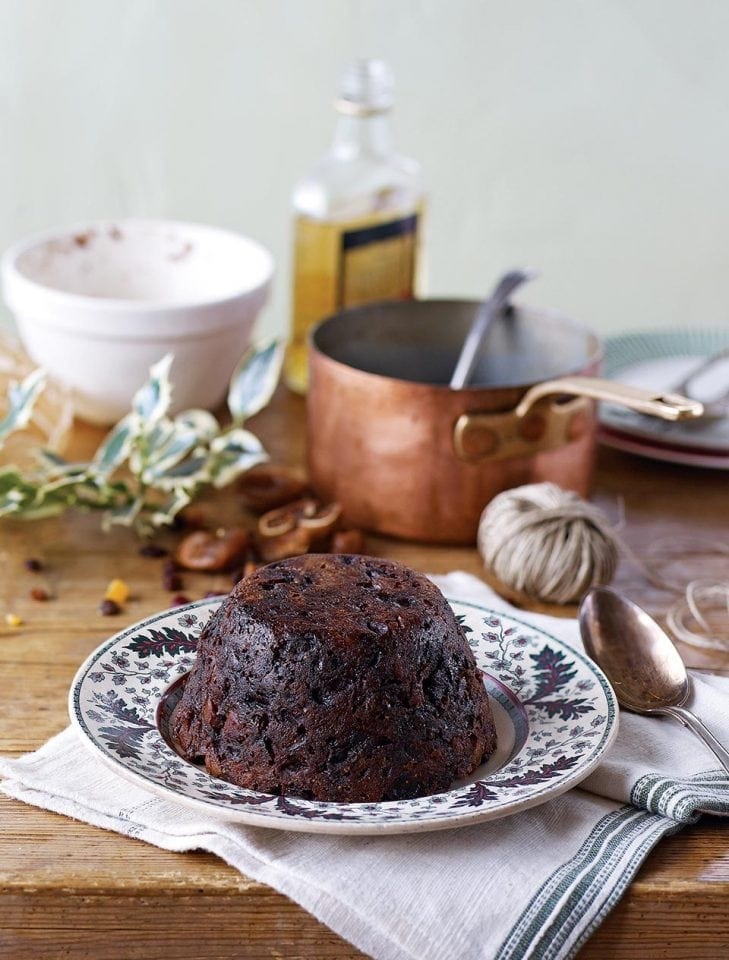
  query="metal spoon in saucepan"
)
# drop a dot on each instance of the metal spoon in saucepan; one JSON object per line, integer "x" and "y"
{"x": 640, "y": 661}
{"x": 485, "y": 316}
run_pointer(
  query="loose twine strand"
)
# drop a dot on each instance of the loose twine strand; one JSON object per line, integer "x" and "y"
{"x": 551, "y": 545}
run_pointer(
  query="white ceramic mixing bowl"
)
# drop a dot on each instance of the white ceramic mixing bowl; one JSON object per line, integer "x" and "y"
{"x": 97, "y": 305}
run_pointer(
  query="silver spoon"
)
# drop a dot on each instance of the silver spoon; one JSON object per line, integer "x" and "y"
{"x": 640, "y": 661}
{"x": 485, "y": 316}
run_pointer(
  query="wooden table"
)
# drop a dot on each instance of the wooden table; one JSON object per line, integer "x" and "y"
{"x": 70, "y": 890}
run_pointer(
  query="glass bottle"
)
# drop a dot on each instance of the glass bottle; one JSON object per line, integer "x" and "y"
{"x": 358, "y": 216}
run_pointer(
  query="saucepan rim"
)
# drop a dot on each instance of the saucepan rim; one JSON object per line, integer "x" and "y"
{"x": 593, "y": 360}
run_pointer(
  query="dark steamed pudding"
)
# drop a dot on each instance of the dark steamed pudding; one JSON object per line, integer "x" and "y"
{"x": 338, "y": 678}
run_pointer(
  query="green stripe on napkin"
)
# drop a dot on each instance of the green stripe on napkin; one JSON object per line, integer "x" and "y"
{"x": 581, "y": 892}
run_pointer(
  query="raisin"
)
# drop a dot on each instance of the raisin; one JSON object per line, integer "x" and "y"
{"x": 152, "y": 550}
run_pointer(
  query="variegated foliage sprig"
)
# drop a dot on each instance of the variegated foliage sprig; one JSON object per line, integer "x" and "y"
{"x": 150, "y": 465}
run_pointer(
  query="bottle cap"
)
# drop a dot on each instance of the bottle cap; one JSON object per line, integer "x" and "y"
{"x": 366, "y": 89}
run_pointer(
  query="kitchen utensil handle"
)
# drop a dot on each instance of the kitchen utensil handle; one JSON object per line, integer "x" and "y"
{"x": 697, "y": 727}
{"x": 472, "y": 344}
{"x": 668, "y": 406}
{"x": 485, "y": 316}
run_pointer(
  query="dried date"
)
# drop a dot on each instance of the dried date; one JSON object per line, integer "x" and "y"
{"x": 268, "y": 486}
{"x": 212, "y": 552}
{"x": 348, "y": 541}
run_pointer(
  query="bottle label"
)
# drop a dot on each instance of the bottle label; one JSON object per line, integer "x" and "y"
{"x": 378, "y": 262}
{"x": 338, "y": 265}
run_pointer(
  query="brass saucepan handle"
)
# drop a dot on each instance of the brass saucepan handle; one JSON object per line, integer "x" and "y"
{"x": 668, "y": 406}
{"x": 535, "y": 424}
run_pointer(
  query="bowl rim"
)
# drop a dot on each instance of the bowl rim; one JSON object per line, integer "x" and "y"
{"x": 14, "y": 277}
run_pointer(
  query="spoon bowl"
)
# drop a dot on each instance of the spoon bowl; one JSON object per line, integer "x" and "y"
{"x": 637, "y": 656}
{"x": 640, "y": 661}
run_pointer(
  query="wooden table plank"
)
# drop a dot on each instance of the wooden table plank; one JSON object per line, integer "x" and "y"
{"x": 123, "y": 893}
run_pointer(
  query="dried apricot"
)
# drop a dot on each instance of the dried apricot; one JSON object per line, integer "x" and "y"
{"x": 118, "y": 591}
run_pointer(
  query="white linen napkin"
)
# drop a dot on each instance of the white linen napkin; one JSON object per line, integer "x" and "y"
{"x": 534, "y": 885}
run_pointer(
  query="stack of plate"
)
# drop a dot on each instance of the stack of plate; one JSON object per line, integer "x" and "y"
{"x": 660, "y": 360}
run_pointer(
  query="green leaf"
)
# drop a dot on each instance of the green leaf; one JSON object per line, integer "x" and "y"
{"x": 56, "y": 466}
{"x": 203, "y": 423}
{"x": 237, "y": 440}
{"x": 48, "y": 502}
{"x": 152, "y": 401}
{"x": 25, "y": 498}
{"x": 15, "y": 500}
{"x": 254, "y": 380}
{"x": 167, "y": 511}
{"x": 96, "y": 493}
{"x": 21, "y": 511}
{"x": 187, "y": 474}
{"x": 10, "y": 479}
{"x": 58, "y": 484}
{"x": 229, "y": 466}
{"x": 234, "y": 452}
{"x": 21, "y": 398}
{"x": 158, "y": 456}
{"x": 147, "y": 439}
{"x": 116, "y": 447}
{"x": 181, "y": 441}
{"x": 124, "y": 515}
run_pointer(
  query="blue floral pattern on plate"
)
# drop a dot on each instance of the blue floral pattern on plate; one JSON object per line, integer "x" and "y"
{"x": 554, "y": 710}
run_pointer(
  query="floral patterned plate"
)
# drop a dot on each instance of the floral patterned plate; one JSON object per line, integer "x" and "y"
{"x": 555, "y": 715}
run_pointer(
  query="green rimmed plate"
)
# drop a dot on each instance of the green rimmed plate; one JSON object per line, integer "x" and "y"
{"x": 660, "y": 360}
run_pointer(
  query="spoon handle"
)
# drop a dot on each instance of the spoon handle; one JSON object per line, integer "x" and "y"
{"x": 486, "y": 314}
{"x": 697, "y": 727}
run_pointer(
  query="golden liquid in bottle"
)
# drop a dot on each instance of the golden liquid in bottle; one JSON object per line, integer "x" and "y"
{"x": 346, "y": 264}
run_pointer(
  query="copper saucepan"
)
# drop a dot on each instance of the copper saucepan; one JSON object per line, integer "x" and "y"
{"x": 409, "y": 457}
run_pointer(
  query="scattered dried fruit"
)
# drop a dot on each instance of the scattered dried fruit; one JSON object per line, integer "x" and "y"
{"x": 171, "y": 579}
{"x": 348, "y": 541}
{"x": 193, "y": 517}
{"x": 283, "y": 519}
{"x": 323, "y": 522}
{"x": 152, "y": 550}
{"x": 268, "y": 486}
{"x": 118, "y": 591}
{"x": 202, "y": 550}
{"x": 33, "y": 564}
{"x": 179, "y": 600}
{"x": 13, "y": 620}
{"x": 108, "y": 608}
{"x": 290, "y": 544}
{"x": 39, "y": 594}
{"x": 291, "y": 530}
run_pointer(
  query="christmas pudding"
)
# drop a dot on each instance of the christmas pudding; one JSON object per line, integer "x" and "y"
{"x": 337, "y": 678}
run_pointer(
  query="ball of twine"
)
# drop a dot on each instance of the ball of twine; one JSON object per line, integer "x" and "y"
{"x": 547, "y": 543}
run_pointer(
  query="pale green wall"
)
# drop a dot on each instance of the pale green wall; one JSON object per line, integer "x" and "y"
{"x": 589, "y": 138}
